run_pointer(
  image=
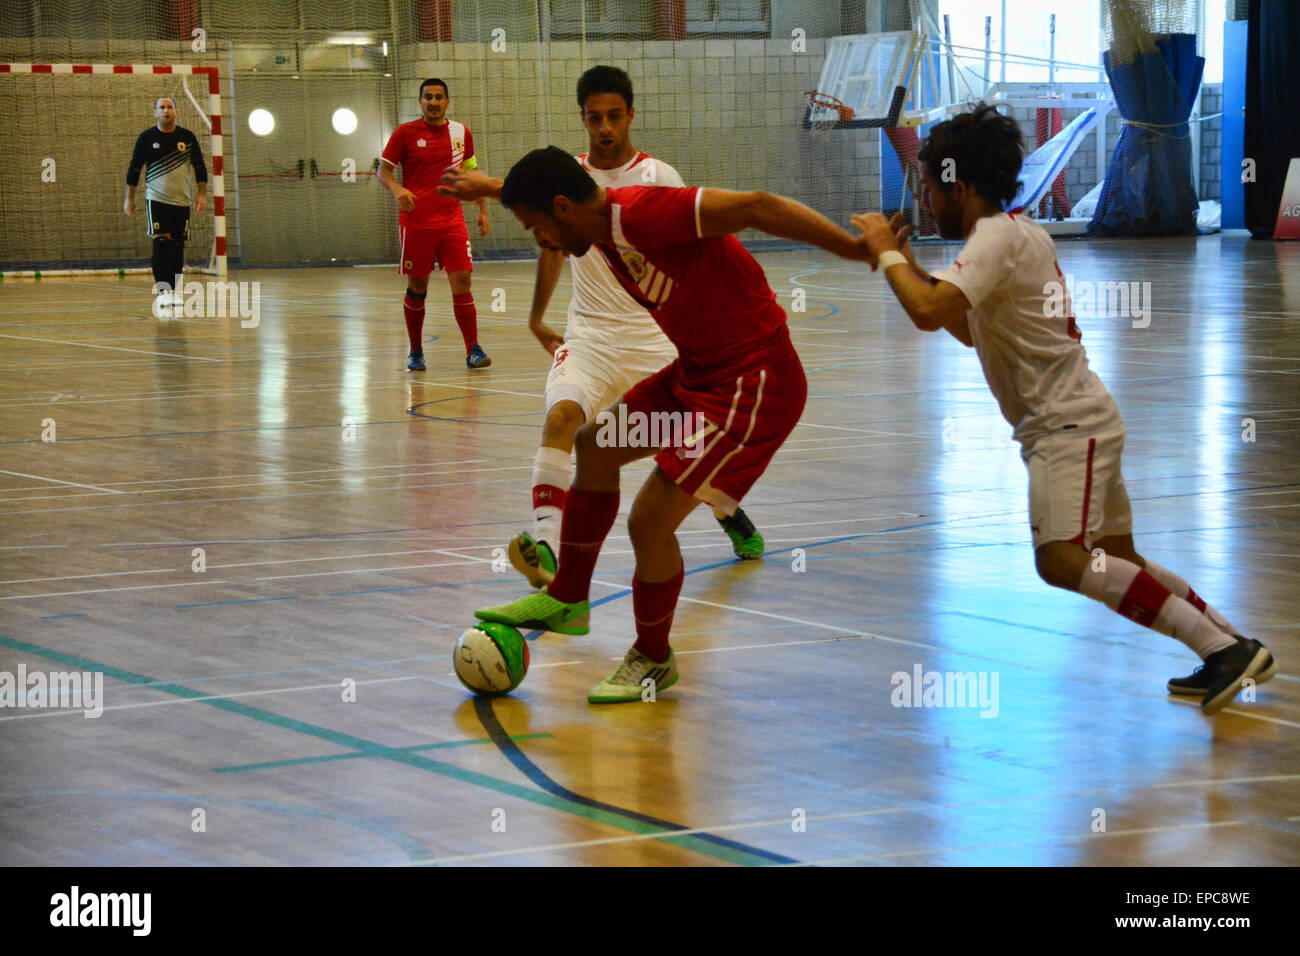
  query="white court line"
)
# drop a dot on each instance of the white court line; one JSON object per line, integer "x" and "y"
{"x": 994, "y": 846}
{"x": 242, "y": 564}
{"x": 276, "y": 481}
{"x": 66, "y": 711}
{"x": 638, "y": 837}
{"x": 463, "y": 562}
{"x": 138, "y": 587}
{"x": 109, "y": 348}
{"x": 400, "y": 567}
{"x": 919, "y": 808}
{"x": 75, "y": 484}
{"x": 852, "y": 634}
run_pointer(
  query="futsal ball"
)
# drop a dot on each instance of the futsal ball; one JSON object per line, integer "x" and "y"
{"x": 491, "y": 659}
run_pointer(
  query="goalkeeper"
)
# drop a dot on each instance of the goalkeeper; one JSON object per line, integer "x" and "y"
{"x": 166, "y": 152}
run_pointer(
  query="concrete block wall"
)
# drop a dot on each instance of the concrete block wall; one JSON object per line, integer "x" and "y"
{"x": 725, "y": 113}
{"x": 1211, "y": 141}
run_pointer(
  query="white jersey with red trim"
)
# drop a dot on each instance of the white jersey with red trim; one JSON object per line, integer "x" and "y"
{"x": 1022, "y": 323}
{"x": 601, "y": 311}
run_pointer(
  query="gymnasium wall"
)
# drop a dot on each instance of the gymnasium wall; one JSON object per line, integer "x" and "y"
{"x": 724, "y": 111}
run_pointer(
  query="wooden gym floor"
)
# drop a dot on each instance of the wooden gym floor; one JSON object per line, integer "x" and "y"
{"x": 331, "y": 560}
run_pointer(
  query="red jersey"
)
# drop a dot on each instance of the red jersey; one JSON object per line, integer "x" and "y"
{"x": 708, "y": 294}
{"x": 424, "y": 152}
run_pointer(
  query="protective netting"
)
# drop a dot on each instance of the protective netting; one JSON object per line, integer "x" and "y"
{"x": 67, "y": 144}
{"x": 1155, "y": 73}
{"x": 718, "y": 94}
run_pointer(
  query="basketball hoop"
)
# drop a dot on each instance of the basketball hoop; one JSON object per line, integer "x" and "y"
{"x": 825, "y": 101}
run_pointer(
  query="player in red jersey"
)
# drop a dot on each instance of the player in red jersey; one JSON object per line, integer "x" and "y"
{"x": 996, "y": 298}
{"x": 733, "y": 395}
{"x": 432, "y": 227}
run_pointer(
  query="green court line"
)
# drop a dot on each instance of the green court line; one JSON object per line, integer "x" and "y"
{"x": 239, "y": 768}
{"x": 371, "y": 749}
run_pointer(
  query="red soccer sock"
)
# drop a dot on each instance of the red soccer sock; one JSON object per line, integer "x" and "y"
{"x": 466, "y": 318}
{"x": 653, "y": 606}
{"x": 588, "y": 516}
{"x": 413, "y": 310}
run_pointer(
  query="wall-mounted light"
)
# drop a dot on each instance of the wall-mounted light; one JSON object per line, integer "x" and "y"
{"x": 261, "y": 122}
{"x": 344, "y": 121}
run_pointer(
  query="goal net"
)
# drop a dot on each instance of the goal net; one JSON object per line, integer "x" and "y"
{"x": 70, "y": 131}
{"x": 719, "y": 94}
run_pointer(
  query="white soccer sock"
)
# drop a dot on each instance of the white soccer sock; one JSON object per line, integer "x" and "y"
{"x": 1128, "y": 590}
{"x": 552, "y": 475}
{"x": 1184, "y": 590}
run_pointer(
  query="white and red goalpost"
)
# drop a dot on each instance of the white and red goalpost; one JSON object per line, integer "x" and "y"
{"x": 213, "y": 120}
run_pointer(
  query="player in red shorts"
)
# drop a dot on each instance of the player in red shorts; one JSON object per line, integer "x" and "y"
{"x": 734, "y": 393}
{"x": 432, "y": 227}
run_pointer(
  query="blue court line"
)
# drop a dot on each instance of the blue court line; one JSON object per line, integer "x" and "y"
{"x": 488, "y": 718}
{"x": 803, "y": 317}
{"x": 618, "y": 820}
{"x": 273, "y": 764}
{"x": 767, "y": 554}
{"x": 186, "y": 607}
{"x": 481, "y": 420}
{"x": 55, "y": 617}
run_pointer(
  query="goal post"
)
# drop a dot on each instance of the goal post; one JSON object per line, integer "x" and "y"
{"x": 79, "y": 233}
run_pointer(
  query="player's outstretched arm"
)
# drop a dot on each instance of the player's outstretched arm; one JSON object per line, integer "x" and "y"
{"x": 550, "y": 263}
{"x": 723, "y": 212}
{"x": 469, "y": 185}
{"x": 930, "y": 304}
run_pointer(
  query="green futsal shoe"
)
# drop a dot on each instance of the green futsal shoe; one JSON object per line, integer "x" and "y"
{"x": 533, "y": 559}
{"x": 745, "y": 539}
{"x": 540, "y": 611}
{"x": 633, "y": 679}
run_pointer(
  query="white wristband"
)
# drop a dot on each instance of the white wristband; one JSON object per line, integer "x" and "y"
{"x": 891, "y": 258}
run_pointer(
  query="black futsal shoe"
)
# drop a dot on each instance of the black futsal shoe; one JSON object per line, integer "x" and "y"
{"x": 1197, "y": 682}
{"x": 1228, "y": 669}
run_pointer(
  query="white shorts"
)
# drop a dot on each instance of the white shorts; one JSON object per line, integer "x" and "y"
{"x": 596, "y": 376}
{"x": 1076, "y": 489}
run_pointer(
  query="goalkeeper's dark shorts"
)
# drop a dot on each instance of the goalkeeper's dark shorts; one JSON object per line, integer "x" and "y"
{"x": 166, "y": 219}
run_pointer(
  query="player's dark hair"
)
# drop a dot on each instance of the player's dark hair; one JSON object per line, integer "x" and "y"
{"x": 542, "y": 175}
{"x": 434, "y": 81}
{"x": 986, "y": 149}
{"x": 604, "y": 79}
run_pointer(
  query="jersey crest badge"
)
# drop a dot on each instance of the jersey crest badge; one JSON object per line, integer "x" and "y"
{"x": 635, "y": 264}
{"x": 419, "y": 142}
{"x": 181, "y": 146}
{"x": 457, "y": 145}
{"x": 155, "y": 146}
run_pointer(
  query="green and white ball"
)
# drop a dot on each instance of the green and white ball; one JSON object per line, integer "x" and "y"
{"x": 491, "y": 659}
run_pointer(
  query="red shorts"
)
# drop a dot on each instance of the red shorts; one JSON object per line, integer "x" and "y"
{"x": 423, "y": 250}
{"x": 750, "y": 410}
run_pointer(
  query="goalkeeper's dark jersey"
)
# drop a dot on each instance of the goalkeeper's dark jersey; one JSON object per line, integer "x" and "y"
{"x": 167, "y": 157}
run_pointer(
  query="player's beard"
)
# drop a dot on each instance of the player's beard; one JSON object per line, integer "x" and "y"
{"x": 950, "y": 224}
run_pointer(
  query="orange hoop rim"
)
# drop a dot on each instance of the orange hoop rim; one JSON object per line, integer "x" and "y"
{"x": 826, "y": 101}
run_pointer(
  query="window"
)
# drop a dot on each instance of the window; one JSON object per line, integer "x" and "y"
{"x": 1028, "y": 28}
